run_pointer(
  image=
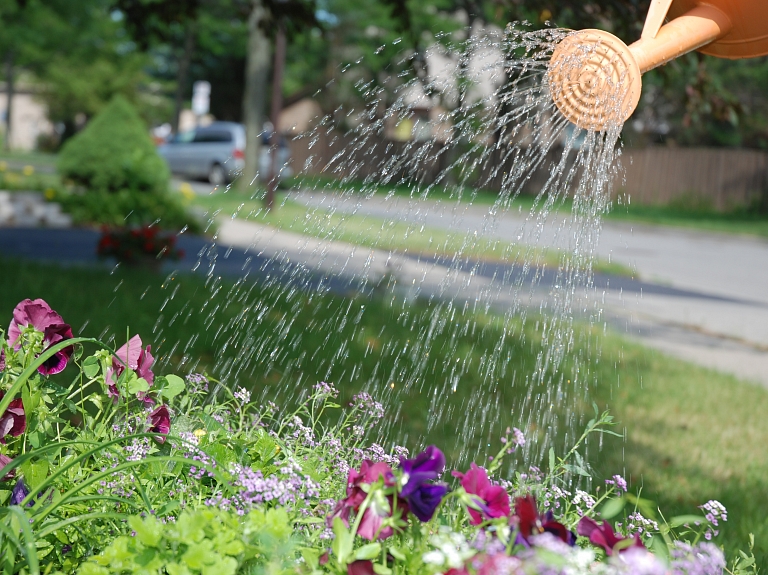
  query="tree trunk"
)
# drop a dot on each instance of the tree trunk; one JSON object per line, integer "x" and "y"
{"x": 9, "y": 88}
{"x": 255, "y": 97}
{"x": 182, "y": 74}
{"x": 277, "y": 107}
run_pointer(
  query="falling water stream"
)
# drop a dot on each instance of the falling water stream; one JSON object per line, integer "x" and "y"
{"x": 498, "y": 129}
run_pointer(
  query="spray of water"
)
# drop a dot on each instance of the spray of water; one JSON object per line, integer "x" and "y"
{"x": 486, "y": 121}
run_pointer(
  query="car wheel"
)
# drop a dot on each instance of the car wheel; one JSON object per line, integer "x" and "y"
{"x": 217, "y": 175}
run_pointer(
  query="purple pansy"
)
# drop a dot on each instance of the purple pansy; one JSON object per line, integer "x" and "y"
{"x": 39, "y": 315}
{"x": 13, "y": 422}
{"x": 19, "y": 493}
{"x": 422, "y": 496}
{"x": 160, "y": 422}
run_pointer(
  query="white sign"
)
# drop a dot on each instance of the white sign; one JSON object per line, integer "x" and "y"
{"x": 201, "y": 98}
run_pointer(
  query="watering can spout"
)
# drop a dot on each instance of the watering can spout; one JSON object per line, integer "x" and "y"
{"x": 595, "y": 78}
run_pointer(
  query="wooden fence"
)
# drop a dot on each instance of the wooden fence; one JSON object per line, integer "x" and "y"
{"x": 717, "y": 177}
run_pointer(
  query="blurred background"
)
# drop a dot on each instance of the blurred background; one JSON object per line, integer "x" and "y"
{"x": 145, "y": 143}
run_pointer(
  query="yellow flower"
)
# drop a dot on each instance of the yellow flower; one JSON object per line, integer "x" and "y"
{"x": 28, "y": 170}
{"x": 187, "y": 191}
{"x": 50, "y": 193}
{"x": 3, "y": 166}
{"x": 200, "y": 433}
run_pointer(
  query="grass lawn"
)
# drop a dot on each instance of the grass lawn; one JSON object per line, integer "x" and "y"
{"x": 738, "y": 222}
{"x": 691, "y": 434}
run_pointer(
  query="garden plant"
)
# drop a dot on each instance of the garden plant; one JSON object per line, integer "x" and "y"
{"x": 108, "y": 467}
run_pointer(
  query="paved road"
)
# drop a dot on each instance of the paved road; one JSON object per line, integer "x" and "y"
{"x": 699, "y": 296}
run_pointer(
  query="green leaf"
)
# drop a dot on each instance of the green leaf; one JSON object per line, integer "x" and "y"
{"x": 173, "y": 387}
{"x": 91, "y": 366}
{"x": 168, "y": 507}
{"x": 551, "y": 459}
{"x": 311, "y": 557}
{"x": 679, "y": 520}
{"x": 34, "y": 473}
{"x": 370, "y": 551}
{"x": 149, "y": 531}
{"x": 380, "y": 569}
{"x": 612, "y": 508}
{"x": 137, "y": 384}
{"x": 29, "y": 399}
{"x": 342, "y": 543}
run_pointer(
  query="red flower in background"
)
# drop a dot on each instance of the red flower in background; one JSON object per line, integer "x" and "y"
{"x": 130, "y": 245}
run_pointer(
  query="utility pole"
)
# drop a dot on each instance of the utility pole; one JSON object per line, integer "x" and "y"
{"x": 277, "y": 106}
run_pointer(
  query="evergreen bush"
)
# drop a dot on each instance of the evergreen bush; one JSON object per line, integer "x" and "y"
{"x": 114, "y": 152}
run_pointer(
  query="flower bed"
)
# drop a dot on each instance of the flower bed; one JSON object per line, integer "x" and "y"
{"x": 121, "y": 470}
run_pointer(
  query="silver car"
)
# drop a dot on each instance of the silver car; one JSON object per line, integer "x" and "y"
{"x": 217, "y": 152}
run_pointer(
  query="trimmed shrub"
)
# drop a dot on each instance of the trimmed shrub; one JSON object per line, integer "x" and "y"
{"x": 114, "y": 152}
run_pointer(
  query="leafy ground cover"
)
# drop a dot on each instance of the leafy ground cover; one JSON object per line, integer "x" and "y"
{"x": 691, "y": 434}
{"x": 122, "y": 470}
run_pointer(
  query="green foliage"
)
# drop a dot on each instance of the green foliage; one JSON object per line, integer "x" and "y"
{"x": 205, "y": 541}
{"x": 114, "y": 152}
{"x": 128, "y": 208}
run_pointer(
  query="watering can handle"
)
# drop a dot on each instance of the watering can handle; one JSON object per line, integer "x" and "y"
{"x": 655, "y": 18}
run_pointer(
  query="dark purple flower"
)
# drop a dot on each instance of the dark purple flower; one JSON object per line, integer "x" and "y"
{"x": 19, "y": 493}
{"x": 361, "y": 567}
{"x": 2, "y": 359}
{"x": 160, "y": 422}
{"x": 131, "y": 355}
{"x": 39, "y": 315}
{"x": 422, "y": 496}
{"x": 603, "y": 535}
{"x": 13, "y": 422}
{"x": 530, "y": 522}
{"x": 492, "y": 499}
{"x": 66, "y": 549}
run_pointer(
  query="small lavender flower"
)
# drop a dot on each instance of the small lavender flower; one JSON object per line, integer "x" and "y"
{"x": 619, "y": 482}
{"x": 242, "y": 395}
{"x": 715, "y": 512}
{"x": 324, "y": 389}
{"x": 636, "y": 523}
{"x": 197, "y": 383}
{"x": 703, "y": 559}
{"x": 583, "y": 498}
{"x": 367, "y": 405}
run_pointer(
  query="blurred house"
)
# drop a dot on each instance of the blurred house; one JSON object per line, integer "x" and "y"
{"x": 29, "y": 119}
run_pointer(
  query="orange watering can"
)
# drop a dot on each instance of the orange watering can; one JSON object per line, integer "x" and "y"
{"x": 595, "y": 78}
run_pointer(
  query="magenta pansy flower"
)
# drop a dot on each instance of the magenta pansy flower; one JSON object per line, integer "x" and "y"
{"x": 603, "y": 535}
{"x": 493, "y": 500}
{"x": 361, "y": 567}
{"x": 531, "y": 522}
{"x": 374, "y": 515}
{"x": 13, "y": 422}
{"x": 134, "y": 357}
{"x": 39, "y": 315}
{"x": 418, "y": 491}
{"x": 5, "y": 460}
{"x": 160, "y": 422}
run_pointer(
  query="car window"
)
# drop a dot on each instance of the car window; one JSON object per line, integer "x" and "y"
{"x": 182, "y": 137}
{"x": 213, "y": 136}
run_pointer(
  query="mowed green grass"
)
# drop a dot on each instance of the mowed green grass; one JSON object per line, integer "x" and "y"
{"x": 691, "y": 434}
